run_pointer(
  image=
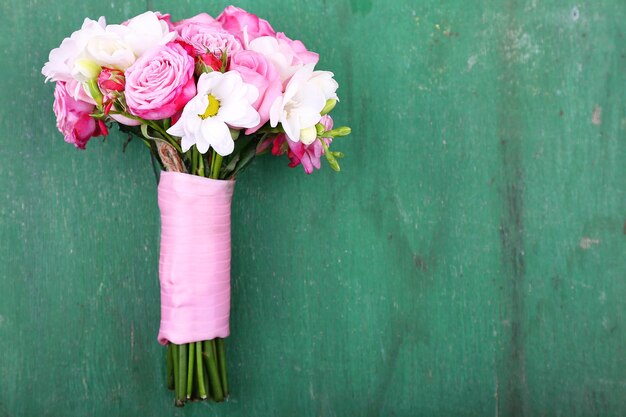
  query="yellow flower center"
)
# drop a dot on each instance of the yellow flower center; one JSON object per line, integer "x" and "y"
{"x": 212, "y": 108}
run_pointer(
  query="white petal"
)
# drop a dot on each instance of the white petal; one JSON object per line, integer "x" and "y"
{"x": 324, "y": 81}
{"x": 298, "y": 80}
{"x": 187, "y": 143}
{"x": 145, "y": 31}
{"x": 193, "y": 123}
{"x": 203, "y": 145}
{"x": 276, "y": 111}
{"x": 239, "y": 114}
{"x": 231, "y": 81}
{"x": 292, "y": 128}
{"x": 219, "y": 135}
{"x": 310, "y": 96}
{"x": 308, "y": 117}
{"x": 208, "y": 81}
{"x": 177, "y": 128}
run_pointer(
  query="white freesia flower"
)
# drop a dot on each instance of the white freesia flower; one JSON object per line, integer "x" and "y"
{"x": 324, "y": 80}
{"x": 223, "y": 101}
{"x": 61, "y": 60}
{"x": 298, "y": 109}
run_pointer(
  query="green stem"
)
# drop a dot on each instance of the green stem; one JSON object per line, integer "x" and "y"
{"x": 221, "y": 361}
{"x": 216, "y": 166}
{"x": 212, "y": 158}
{"x": 200, "y": 371}
{"x": 205, "y": 367}
{"x": 169, "y": 365}
{"x": 216, "y": 386}
{"x": 154, "y": 126}
{"x": 194, "y": 160}
{"x": 200, "y": 165}
{"x": 175, "y": 358}
{"x": 182, "y": 375}
{"x": 214, "y": 350}
{"x": 192, "y": 351}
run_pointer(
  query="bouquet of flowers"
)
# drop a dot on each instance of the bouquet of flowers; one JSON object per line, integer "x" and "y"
{"x": 206, "y": 96}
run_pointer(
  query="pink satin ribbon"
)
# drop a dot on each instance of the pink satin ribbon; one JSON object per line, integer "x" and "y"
{"x": 194, "y": 268}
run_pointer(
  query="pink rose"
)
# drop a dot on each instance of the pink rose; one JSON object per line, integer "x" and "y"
{"x": 73, "y": 118}
{"x": 199, "y": 21}
{"x": 302, "y": 56}
{"x": 245, "y": 26}
{"x": 257, "y": 70}
{"x": 287, "y": 55}
{"x": 165, "y": 18}
{"x": 77, "y": 91}
{"x": 160, "y": 82}
{"x": 205, "y": 34}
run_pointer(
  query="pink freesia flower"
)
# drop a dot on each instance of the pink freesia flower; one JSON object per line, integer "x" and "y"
{"x": 327, "y": 122}
{"x": 73, "y": 118}
{"x": 160, "y": 82}
{"x": 300, "y": 154}
{"x": 257, "y": 70}
{"x": 205, "y": 34}
{"x": 245, "y": 26}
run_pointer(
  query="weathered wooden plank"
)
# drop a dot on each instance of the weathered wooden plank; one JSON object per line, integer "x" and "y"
{"x": 468, "y": 260}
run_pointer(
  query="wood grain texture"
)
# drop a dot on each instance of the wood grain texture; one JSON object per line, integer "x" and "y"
{"x": 469, "y": 259}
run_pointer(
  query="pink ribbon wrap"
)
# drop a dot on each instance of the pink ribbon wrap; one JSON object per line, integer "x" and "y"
{"x": 194, "y": 267}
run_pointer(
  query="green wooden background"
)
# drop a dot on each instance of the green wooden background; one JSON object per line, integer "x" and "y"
{"x": 468, "y": 261}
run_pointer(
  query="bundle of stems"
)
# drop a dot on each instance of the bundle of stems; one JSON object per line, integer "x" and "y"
{"x": 197, "y": 371}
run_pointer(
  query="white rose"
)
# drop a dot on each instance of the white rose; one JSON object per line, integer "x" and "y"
{"x": 61, "y": 60}
{"x": 109, "y": 50}
{"x": 143, "y": 32}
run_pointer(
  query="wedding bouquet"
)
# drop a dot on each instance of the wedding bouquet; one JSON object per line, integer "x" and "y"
{"x": 206, "y": 96}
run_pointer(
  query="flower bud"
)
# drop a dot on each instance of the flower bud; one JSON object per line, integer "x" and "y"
{"x": 308, "y": 135}
{"x": 111, "y": 80}
{"x": 330, "y": 105}
{"x": 332, "y": 161}
{"x": 320, "y": 129}
{"x": 340, "y": 131}
{"x": 234, "y": 133}
{"x": 210, "y": 61}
